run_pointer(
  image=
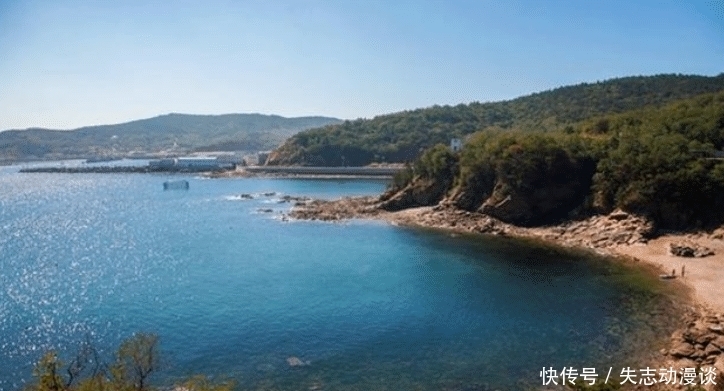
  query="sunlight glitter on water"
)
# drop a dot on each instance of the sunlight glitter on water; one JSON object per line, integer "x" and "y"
{"x": 233, "y": 292}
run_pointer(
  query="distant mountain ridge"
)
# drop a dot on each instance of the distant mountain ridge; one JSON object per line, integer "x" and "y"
{"x": 402, "y": 136}
{"x": 170, "y": 133}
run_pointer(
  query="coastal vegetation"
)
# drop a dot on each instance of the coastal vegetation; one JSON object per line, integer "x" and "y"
{"x": 135, "y": 361}
{"x": 401, "y": 137}
{"x": 172, "y": 133}
{"x": 658, "y": 162}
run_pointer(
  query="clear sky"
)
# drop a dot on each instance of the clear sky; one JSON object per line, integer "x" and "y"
{"x": 65, "y": 64}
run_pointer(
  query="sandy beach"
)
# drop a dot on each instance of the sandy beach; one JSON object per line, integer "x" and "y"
{"x": 705, "y": 275}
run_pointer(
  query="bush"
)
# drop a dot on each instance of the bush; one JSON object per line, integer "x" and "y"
{"x": 136, "y": 360}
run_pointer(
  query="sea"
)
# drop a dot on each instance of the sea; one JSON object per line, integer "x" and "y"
{"x": 237, "y": 291}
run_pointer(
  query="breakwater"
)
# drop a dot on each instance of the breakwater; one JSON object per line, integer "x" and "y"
{"x": 115, "y": 169}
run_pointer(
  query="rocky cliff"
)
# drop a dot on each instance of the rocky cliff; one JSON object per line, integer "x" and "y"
{"x": 549, "y": 198}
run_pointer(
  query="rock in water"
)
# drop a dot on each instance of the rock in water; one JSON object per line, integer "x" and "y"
{"x": 296, "y": 362}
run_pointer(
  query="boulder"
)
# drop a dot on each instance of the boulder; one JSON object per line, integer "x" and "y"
{"x": 718, "y": 234}
{"x": 718, "y": 342}
{"x": 705, "y": 338}
{"x": 683, "y": 349}
{"x": 698, "y": 353}
{"x": 712, "y": 350}
{"x": 689, "y": 250}
{"x": 618, "y": 215}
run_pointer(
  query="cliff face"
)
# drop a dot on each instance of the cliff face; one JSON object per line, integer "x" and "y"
{"x": 421, "y": 192}
{"x": 543, "y": 205}
{"x": 548, "y": 201}
{"x": 548, "y": 198}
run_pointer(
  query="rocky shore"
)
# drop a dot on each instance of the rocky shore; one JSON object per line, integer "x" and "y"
{"x": 701, "y": 342}
{"x": 599, "y": 233}
{"x": 695, "y": 261}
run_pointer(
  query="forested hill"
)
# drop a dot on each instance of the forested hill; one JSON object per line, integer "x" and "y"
{"x": 663, "y": 163}
{"x": 173, "y": 133}
{"x": 402, "y": 136}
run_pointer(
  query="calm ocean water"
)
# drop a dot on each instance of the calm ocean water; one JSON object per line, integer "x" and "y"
{"x": 233, "y": 291}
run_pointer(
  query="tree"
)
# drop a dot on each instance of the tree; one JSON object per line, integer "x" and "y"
{"x": 138, "y": 358}
{"x": 46, "y": 371}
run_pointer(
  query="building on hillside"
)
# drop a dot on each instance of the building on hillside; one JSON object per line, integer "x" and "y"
{"x": 456, "y": 144}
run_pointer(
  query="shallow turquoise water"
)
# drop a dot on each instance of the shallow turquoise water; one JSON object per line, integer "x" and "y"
{"x": 234, "y": 291}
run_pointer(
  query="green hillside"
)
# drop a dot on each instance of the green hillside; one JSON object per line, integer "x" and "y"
{"x": 172, "y": 133}
{"x": 402, "y": 136}
{"x": 660, "y": 162}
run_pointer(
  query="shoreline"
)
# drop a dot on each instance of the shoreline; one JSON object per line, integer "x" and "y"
{"x": 622, "y": 237}
{"x": 381, "y": 173}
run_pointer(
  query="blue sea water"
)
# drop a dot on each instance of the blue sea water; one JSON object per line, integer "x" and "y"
{"x": 233, "y": 290}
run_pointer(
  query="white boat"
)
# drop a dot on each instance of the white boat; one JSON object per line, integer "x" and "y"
{"x": 176, "y": 185}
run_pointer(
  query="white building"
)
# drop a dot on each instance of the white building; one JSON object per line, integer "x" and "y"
{"x": 456, "y": 144}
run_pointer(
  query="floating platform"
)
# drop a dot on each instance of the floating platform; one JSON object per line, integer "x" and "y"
{"x": 176, "y": 185}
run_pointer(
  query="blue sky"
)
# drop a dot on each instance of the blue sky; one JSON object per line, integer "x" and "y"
{"x": 65, "y": 64}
